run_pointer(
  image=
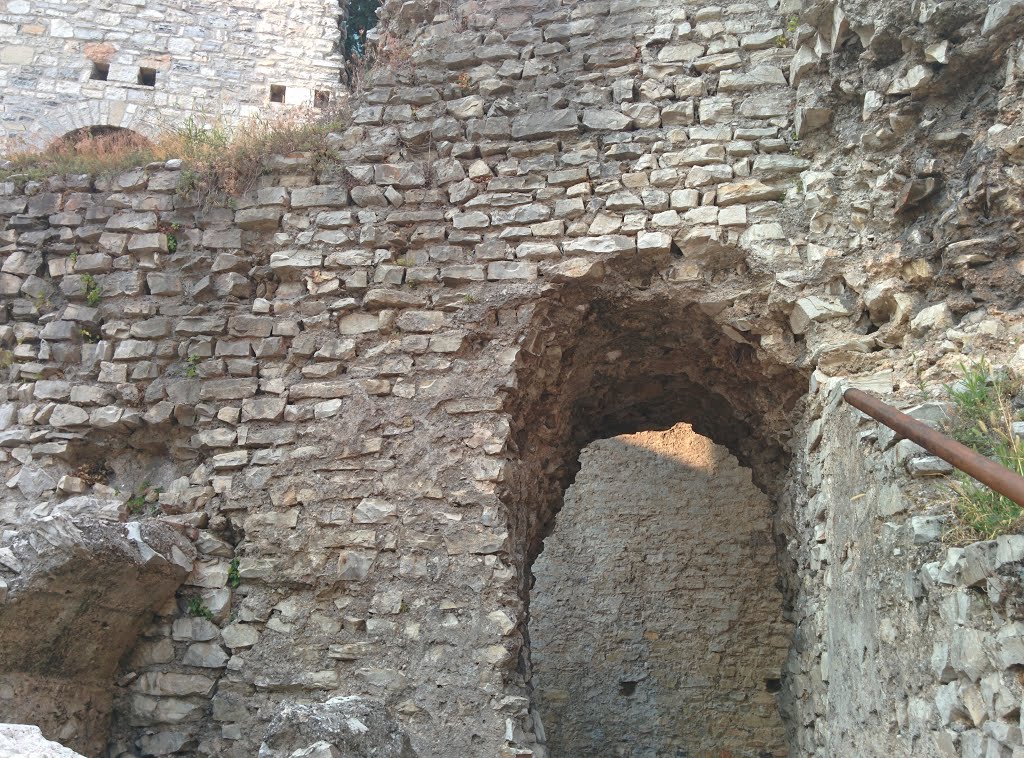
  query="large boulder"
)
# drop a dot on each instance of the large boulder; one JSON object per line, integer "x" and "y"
{"x": 21, "y": 740}
{"x": 74, "y": 596}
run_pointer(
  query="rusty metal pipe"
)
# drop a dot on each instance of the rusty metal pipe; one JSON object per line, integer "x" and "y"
{"x": 988, "y": 472}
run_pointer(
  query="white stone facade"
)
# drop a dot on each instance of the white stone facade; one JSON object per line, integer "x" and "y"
{"x": 163, "y": 62}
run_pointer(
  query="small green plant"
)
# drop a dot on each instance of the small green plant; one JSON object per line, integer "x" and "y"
{"x": 469, "y": 299}
{"x": 983, "y": 420}
{"x": 234, "y": 578}
{"x": 403, "y": 262}
{"x": 781, "y": 41}
{"x": 793, "y": 24}
{"x": 41, "y": 302}
{"x": 188, "y": 182}
{"x": 73, "y": 258}
{"x": 172, "y": 244}
{"x": 88, "y": 336}
{"x": 198, "y": 609}
{"x": 136, "y": 503}
{"x": 92, "y": 290}
{"x": 192, "y": 366}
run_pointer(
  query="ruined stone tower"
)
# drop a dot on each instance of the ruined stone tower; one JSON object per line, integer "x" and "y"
{"x": 515, "y": 427}
{"x": 148, "y": 66}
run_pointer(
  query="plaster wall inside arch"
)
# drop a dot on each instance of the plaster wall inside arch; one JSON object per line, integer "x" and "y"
{"x": 656, "y": 620}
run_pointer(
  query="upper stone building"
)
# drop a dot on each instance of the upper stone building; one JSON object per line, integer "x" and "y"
{"x": 73, "y": 64}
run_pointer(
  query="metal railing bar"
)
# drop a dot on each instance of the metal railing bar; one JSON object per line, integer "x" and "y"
{"x": 988, "y": 472}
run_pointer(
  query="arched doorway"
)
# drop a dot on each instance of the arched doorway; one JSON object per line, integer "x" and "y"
{"x": 101, "y": 139}
{"x": 621, "y": 356}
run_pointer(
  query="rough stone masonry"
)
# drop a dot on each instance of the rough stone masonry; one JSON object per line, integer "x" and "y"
{"x": 151, "y": 66}
{"x": 359, "y": 393}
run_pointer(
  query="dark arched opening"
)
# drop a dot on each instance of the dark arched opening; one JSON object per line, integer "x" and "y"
{"x": 616, "y": 358}
{"x": 101, "y": 138}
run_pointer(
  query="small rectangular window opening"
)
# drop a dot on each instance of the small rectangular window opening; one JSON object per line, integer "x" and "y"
{"x": 277, "y": 93}
{"x": 147, "y": 77}
{"x": 321, "y": 98}
{"x": 100, "y": 71}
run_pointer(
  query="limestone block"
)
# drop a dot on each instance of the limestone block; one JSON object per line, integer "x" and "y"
{"x": 747, "y": 191}
{"x": 17, "y": 55}
{"x": 398, "y": 175}
{"x": 607, "y": 244}
{"x": 204, "y": 655}
{"x": 239, "y": 636}
{"x": 421, "y": 321}
{"x": 354, "y": 565}
{"x": 543, "y": 125}
{"x": 132, "y": 222}
{"x": 65, "y": 415}
{"x": 915, "y": 80}
{"x": 27, "y": 740}
{"x": 358, "y": 323}
{"x": 262, "y": 409}
{"x": 684, "y": 52}
{"x": 644, "y": 115}
{"x": 319, "y": 196}
{"x": 265, "y": 218}
{"x": 808, "y": 310}
{"x": 165, "y": 285}
{"x": 604, "y": 119}
{"x": 510, "y": 270}
{"x": 374, "y": 511}
{"x": 142, "y": 244}
{"x": 93, "y": 263}
{"x": 654, "y": 243}
{"x": 760, "y": 76}
{"x": 218, "y": 239}
{"x": 938, "y": 316}
{"x": 177, "y": 685}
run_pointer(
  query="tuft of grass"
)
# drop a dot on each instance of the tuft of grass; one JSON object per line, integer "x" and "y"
{"x": 234, "y": 578}
{"x": 221, "y": 163}
{"x": 93, "y": 294}
{"x": 218, "y": 162}
{"x": 102, "y": 154}
{"x": 983, "y": 421}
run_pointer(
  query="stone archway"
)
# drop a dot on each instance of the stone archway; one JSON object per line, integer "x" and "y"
{"x": 98, "y": 115}
{"x": 112, "y": 135}
{"x": 626, "y": 353}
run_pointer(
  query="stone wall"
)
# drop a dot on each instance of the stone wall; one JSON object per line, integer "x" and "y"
{"x": 917, "y": 645}
{"x": 362, "y": 390}
{"x": 656, "y": 620}
{"x": 77, "y": 64}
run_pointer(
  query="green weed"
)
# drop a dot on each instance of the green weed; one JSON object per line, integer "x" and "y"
{"x": 197, "y": 608}
{"x": 983, "y": 421}
{"x": 92, "y": 290}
